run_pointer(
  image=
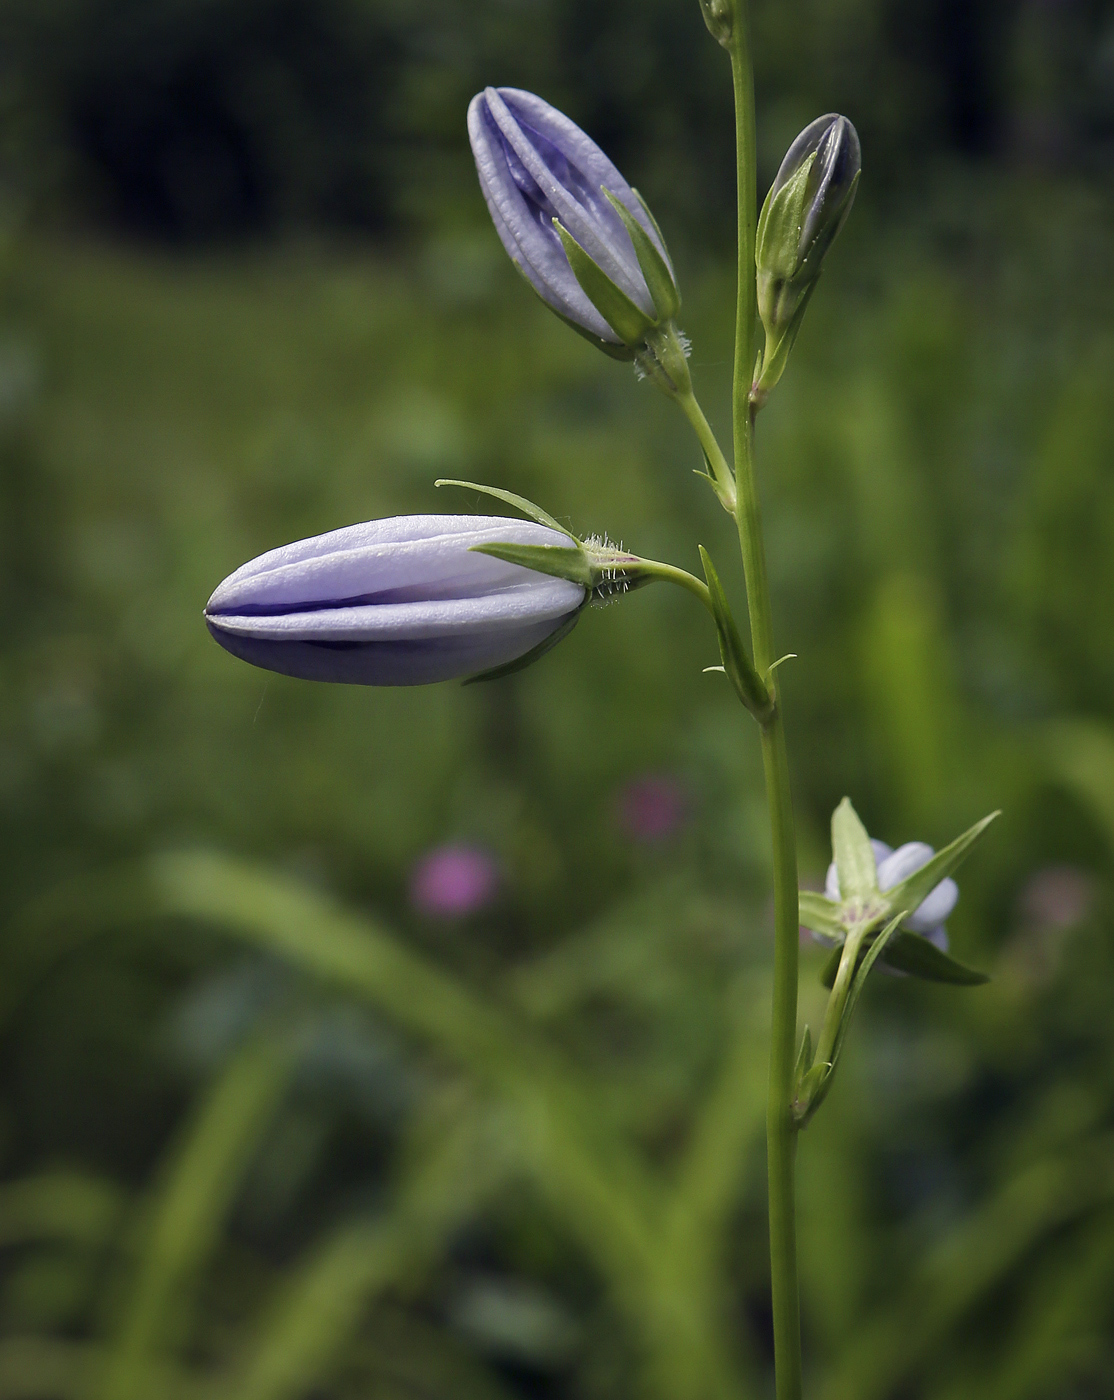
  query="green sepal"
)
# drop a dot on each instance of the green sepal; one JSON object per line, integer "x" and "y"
{"x": 911, "y": 953}
{"x": 659, "y": 279}
{"x": 649, "y": 214}
{"x": 534, "y": 654}
{"x": 810, "y": 1092}
{"x": 614, "y": 349}
{"x": 805, "y": 1106}
{"x": 854, "y": 856}
{"x": 629, "y": 322}
{"x": 804, "y": 1058}
{"x": 528, "y": 508}
{"x": 777, "y": 239}
{"x": 571, "y": 564}
{"x": 912, "y": 892}
{"x": 740, "y": 669}
{"x": 820, "y": 914}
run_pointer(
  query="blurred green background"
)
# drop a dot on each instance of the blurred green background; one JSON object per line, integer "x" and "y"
{"x": 273, "y": 1125}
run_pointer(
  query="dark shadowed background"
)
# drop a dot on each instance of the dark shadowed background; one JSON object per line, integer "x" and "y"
{"x": 411, "y": 1043}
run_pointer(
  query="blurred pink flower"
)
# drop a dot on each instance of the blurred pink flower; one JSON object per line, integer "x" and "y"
{"x": 451, "y": 881}
{"x": 1056, "y": 897}
{"x": 652, "y": 808}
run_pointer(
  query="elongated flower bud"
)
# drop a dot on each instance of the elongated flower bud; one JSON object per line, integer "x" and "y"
{"x": 572, "y": 225}
{"x": 806, "y": 207}
{"x": 395, "y": 602}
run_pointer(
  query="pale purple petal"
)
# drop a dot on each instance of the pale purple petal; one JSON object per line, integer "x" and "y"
{"x": 535, "y": 165}
{"x": 895, "y": 866}
{"x": 393, "y": 602}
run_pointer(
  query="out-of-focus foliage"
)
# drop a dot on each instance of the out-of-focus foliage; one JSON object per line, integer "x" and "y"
{"x": 203, "y": 118}
{"x": 268, "y": 1130}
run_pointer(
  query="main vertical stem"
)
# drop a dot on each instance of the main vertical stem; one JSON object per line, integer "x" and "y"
{"x": 781, "y": 1133}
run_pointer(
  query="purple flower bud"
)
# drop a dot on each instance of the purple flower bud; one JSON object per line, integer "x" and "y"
{"x": 394, "y": 602}
{"x": 893, "y": 867}
{"x": 538, "y": 169}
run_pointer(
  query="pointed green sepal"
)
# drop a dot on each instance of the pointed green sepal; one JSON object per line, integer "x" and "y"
{"x": 854, "y": 856}
{"x": 535, "y": 654}
{"x": 528, "y": 508}
{"x": 820, "y": 914}
{"x": 804, "y": 1058}
{"x": 659, "y": 278}
{"x": 911, "y": 892}
{"x": 543, "y": 559}
{"x": 778, "y": 235}
{"x": 911, "y": 953}
{"x": 740, "y": 669}
{"x": 629, "y": 322}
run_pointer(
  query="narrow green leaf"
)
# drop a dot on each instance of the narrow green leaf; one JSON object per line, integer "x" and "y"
{"x": 528, "y": 508}
{"x": 659, "y": 279}
{"x": 911, "y": 953}
{"x": 520, "y": 663}
{"x": 854, "y": 857}
{"x": 922, "y": 882}
{"x": 571, "y": 564}
{"x": 629, "y": 322}
{"x": 736, "y": 662}
{"x": 820, "y": 914}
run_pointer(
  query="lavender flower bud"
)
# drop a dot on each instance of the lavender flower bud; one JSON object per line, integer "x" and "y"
{"x": 402, "y": 601}
{"x": 893, "y": 867}
{"x": 806, "y": 207}
{"x": 570, "y": 222}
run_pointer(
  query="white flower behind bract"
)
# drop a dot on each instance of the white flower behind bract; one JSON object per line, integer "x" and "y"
{"x": 537, "y": 167}
{"x": 894, "y": 866}
{"x": 402, "y": 601}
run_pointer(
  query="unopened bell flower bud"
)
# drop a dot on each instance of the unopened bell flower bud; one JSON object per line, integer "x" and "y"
{"x": 401, "y": 601}
{"x": 576, "y": 230}
{"x": 806, "y": 207}
{"x": 929, "y": 917}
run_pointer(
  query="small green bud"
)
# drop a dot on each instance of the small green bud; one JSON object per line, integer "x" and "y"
{"x": 719, "y": 16}
{"x": 806, "y": 207}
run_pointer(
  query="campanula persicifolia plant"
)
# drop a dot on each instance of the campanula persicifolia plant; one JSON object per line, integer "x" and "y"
{"x": 428, "y": 598}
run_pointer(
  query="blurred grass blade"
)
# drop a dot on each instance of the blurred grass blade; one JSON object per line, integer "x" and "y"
{"x": 188, "y": 1207}
{"x": 322, "y": 1303}
{"x": 961, "y": 1270}
{"x": 1080, "y": 755}
{"x": 62, "y": 1205}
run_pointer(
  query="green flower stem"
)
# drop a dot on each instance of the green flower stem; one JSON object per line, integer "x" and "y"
{"x": 722, "y": 476}
{"x": 840, "y": 988}
{"x": 669, "y": 573}
{"x": 781, "y": 1139}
